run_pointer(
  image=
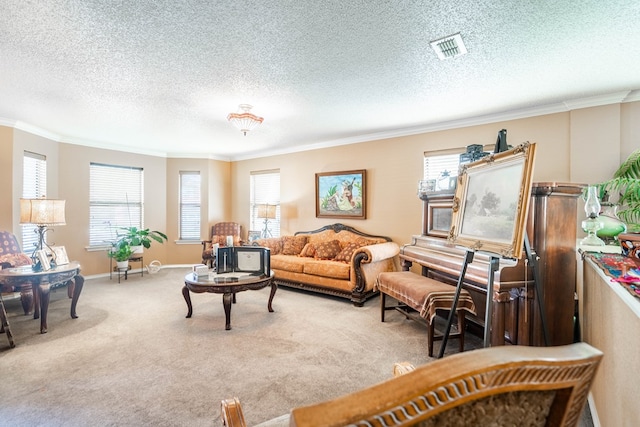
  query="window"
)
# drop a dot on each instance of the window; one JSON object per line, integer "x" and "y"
{"x": 189, "y": 206}
{"x": 34, "y": 185}
{"x": 436, "y": 162}
{"x": 115, "y": 200}
{"x": 265, "y": 189}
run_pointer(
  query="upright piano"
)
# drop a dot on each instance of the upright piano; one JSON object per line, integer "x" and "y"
{"x": 551, "y": 230}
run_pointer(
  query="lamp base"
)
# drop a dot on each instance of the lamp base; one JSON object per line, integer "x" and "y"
{"x": 266, "y": 233}
{"x": 591, "y": 226}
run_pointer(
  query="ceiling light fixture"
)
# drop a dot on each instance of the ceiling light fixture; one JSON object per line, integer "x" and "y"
{"x": 244, "y": 120}
{"x": 449, "y": 47}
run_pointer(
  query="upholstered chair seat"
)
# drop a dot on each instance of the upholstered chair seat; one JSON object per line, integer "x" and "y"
{"x": 219, "y": 233}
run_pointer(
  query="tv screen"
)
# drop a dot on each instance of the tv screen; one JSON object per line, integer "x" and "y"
{"x": 246, "y": 259}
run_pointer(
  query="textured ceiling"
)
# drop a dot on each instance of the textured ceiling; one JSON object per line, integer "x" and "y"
{"x": 161, "y": 76}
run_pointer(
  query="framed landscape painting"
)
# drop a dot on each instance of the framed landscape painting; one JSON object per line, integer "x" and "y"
{"x": 491, "y": 202}
{"x": 341, "y": 194}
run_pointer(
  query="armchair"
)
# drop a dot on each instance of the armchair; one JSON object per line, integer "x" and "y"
{"x": 499, "y": 386}
{"x": 219, "y": 233}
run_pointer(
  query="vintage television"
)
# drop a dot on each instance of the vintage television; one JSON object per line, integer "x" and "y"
{"x": 246, "y": 259}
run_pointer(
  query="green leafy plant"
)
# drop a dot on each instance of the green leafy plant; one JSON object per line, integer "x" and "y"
{"x": 134, "y": 236}
{"x": 120, "y": 252}
{"x": 626, "y": 185}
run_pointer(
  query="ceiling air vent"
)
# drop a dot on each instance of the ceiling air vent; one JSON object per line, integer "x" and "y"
{"x": 449, "y": 47}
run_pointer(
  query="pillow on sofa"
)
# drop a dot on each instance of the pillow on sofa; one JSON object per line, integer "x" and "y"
{"x": 309, "y": 250}
{"x": 293, "y": 245}
{"x": 273, "y": 243}
{"x": 346, "y": 254}
{"x": 363, "y": 241}
{"x": 327, "y": 250}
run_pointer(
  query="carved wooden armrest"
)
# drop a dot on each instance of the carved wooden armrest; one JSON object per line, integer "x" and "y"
{"x": 232, "y": 415}
{"x": 402, "y": 368}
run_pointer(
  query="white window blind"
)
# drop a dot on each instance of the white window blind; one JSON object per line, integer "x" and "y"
{"x": 189, "y": 206}
{"x": 436, "y": 162}
{"x": 34, "y": 186}
{"x": 265, "y": 189}
{"x": 115, "y": 200}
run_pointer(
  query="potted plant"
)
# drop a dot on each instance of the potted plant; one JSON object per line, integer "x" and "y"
{"x": 121, "y": 253}
{"x": 625, "y": 184}
{"x": 139, "y": 237}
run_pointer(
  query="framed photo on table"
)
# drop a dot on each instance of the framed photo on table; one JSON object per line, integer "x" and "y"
{"x": 60, "y": 255}
{"x": 43, "y": 259}
{"x": 341, "y": 194}
{"x": 253, "y": 236}
{"x": 491, "y": 202}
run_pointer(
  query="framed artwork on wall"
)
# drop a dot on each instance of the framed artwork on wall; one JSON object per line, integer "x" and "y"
{"x": 491, "y": 202}
{"x": 341, "y": 194}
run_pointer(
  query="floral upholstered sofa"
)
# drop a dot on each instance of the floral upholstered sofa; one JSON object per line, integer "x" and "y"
{"x": 335, "y": 259}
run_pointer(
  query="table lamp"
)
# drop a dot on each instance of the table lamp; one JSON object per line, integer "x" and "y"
{"x": 44, "y": 213}
{"x": 267, "y": 212}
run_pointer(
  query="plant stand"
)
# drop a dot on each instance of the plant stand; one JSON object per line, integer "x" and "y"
{"x": 125, "y": 271}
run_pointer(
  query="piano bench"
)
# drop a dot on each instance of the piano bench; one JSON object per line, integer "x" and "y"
{"x": 425, "y": 296}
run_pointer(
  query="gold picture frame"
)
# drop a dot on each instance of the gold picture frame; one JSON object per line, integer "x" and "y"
{"x": 341, "y": 194}
{"x": 491, "y": 202}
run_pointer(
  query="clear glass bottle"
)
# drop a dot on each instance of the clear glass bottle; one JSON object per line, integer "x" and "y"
{"x": 592, "y": 224}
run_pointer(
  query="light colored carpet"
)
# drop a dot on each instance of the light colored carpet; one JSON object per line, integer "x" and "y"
{"x": 132, "y": 358}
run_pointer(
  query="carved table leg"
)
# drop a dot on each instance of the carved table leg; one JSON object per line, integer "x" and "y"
{"x": 78, "y": 283}
{"x": 44, "y": 295}
{"x": 35, "y": 291}
{"x": 274, "y": 288}
{"x": 187, "y": 298}
{"x": 26, "y": 297}
{"x": 226, "y": 302}
{"x": 71, "y": 286}
{"x": 4, "y": 324}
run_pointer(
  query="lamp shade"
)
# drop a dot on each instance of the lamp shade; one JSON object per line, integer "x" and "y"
{"x": 42, "y": 211}
{"x": 266, "y": 211}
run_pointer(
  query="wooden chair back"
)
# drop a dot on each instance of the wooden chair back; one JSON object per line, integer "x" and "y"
{"x": 507, "y": 385}
{"x": 497, "y": 386}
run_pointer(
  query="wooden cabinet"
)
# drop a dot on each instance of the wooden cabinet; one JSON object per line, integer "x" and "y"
{"x": 551, "y": 228}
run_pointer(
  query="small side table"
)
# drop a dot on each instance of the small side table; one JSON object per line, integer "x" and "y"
{"x": 125, "y": 271}
{"x": 42, "y": 281}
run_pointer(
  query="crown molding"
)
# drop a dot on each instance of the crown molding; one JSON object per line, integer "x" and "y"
{"x": 559, "y": 107}
{"x": 633, "y": 96}
{"x": 596, "y": 101}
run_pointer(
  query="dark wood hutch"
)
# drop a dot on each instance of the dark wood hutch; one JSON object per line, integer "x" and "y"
{"x": 551, "y": 227}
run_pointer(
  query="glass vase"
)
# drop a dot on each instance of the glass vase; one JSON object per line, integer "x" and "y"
{"x": 611, "y": 224}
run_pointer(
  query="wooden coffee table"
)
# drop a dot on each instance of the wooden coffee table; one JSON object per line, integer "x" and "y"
{"x": 227, "y": 284}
